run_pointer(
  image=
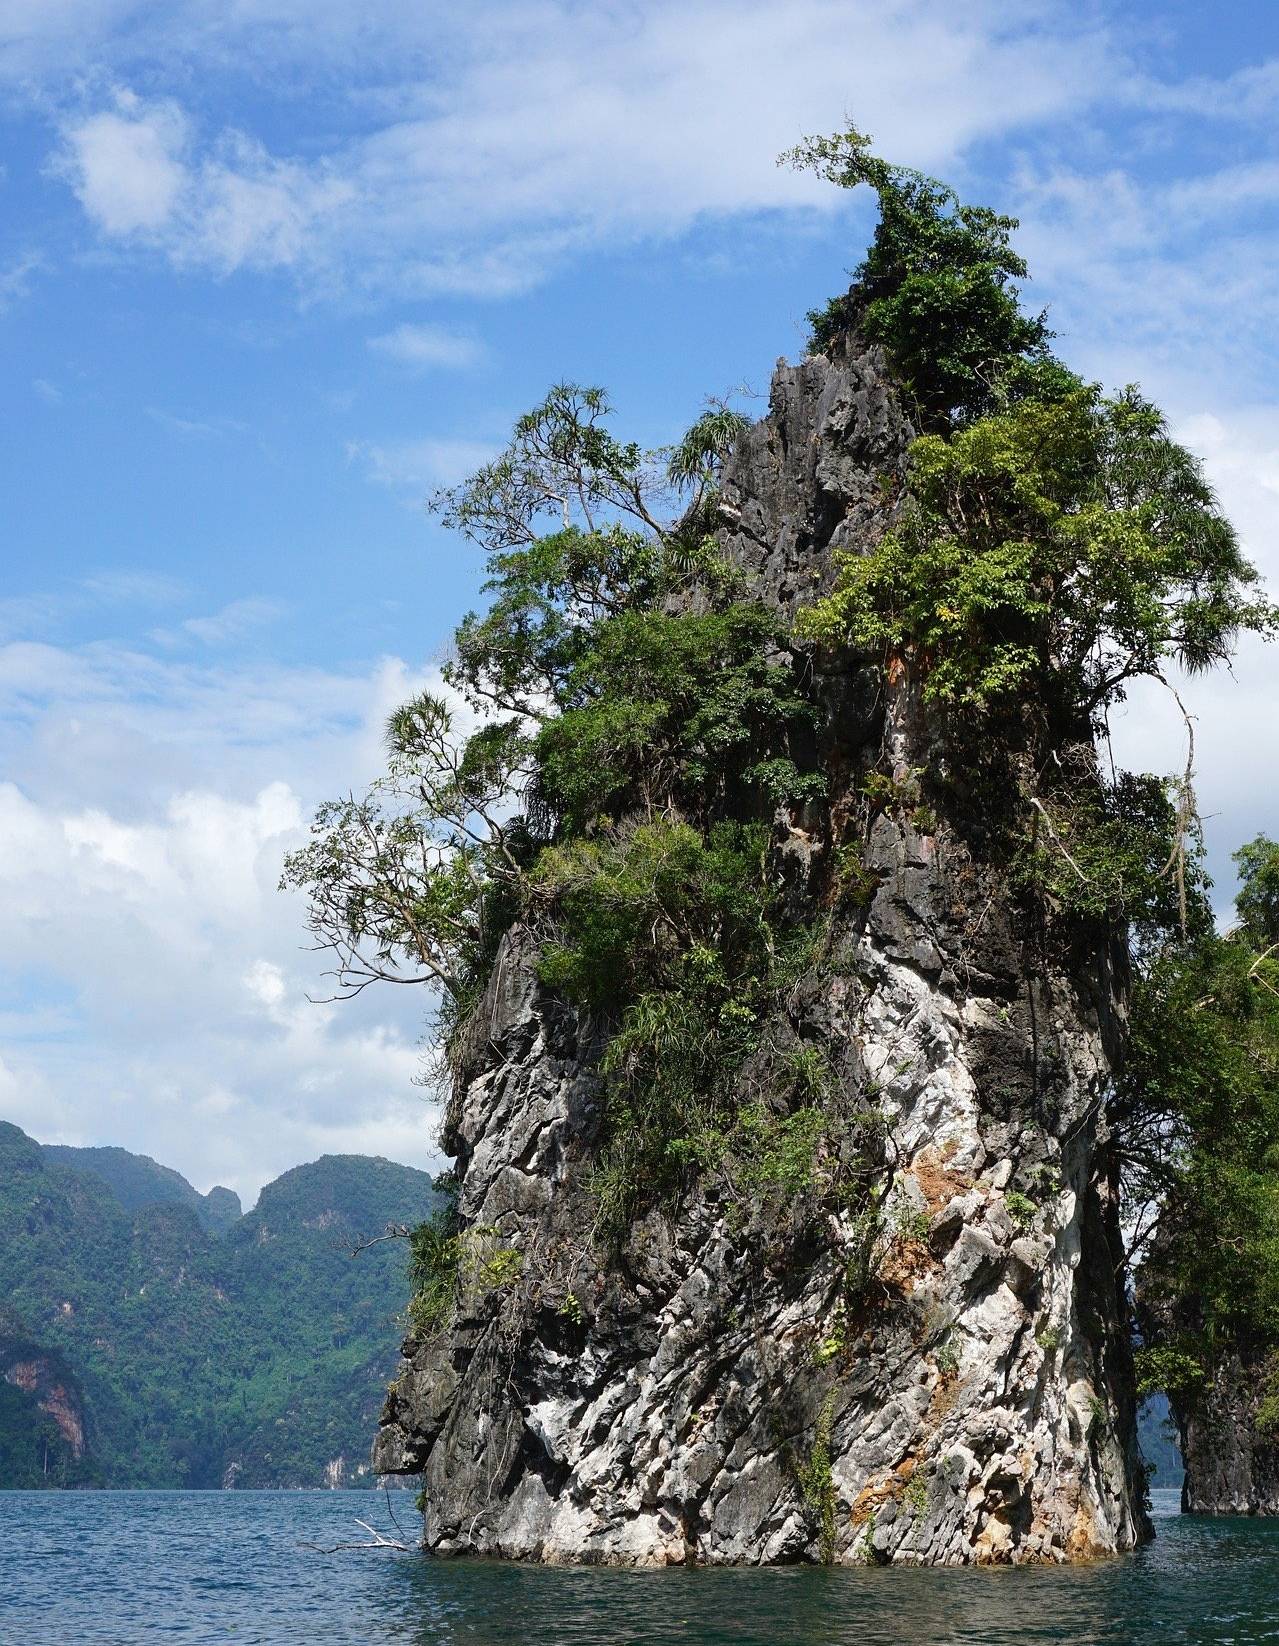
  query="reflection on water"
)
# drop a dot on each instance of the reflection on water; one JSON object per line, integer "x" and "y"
{"x": 123, "y": 1567}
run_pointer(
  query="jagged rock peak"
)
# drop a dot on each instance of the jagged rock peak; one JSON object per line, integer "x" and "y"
{"x": 710, "y": 1394}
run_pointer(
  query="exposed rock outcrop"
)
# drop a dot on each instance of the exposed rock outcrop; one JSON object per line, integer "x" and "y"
{"x": 716, "y": 1392}
{"x": 43, "y": 1422}
{"x": 1230, "y": 1438}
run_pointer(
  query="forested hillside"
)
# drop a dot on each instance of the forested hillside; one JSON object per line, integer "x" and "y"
{"x": 136, "y": 1180}
{"x": 255, "y": 1358}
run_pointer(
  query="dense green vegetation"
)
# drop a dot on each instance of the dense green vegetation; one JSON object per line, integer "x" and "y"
{"x": 644, "y": 723}
{"x": 35, "y": 1452}
{"x": 635, "y": 708}
{"x": 1199, "y": 1108}
{"x": 268, "y": 1348}
{"x": 938, "y": 288}
{"x": 136, "y": 1180}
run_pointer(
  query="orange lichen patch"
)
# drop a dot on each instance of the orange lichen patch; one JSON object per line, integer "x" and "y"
{"x": 883, "y": 1489}
{"x": 938, "y": 1183}
{"x": 905, "y": 1263}
{"x": 896, "y": 669}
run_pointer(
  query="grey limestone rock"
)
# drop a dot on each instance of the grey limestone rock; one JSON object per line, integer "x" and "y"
{"x": 1230, "y": 1452}
{"x": 709, "y": 1394}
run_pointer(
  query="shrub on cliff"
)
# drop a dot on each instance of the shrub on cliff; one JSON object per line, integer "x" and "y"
{"x": 639, "y": 726}
{"x": 938, "y": 287}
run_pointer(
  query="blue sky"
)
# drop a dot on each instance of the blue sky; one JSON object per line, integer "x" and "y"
{"x": 271, "y": 270}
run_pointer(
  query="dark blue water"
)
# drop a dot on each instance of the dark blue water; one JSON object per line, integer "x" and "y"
{"x": 185, "y": 1567}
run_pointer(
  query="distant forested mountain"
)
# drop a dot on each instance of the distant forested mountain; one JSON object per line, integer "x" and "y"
{"x": 136, "y": 1181}
{"x": 254, "y": 1357}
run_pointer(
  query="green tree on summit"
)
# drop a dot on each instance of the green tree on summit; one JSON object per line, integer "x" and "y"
{"x": 937, "y": 288}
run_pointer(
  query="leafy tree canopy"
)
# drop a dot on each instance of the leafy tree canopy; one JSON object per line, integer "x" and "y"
{"x": 1198, "y": 1110}
{"x": 938, "y": 287}
{"x": 618, "y": 671}
{"x": 1054, "y": 550}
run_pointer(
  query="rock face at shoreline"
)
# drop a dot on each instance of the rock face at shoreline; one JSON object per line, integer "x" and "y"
{"x": 716, "y": 1390}
{"x": 1230, "y": 1440}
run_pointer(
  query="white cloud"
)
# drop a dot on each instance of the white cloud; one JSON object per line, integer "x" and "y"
{"x": 126, "y": 164}
{"x": 423, "y": 346}
{"x": 15, "y": 278}
{"x": 165, "y": 978}
{"x": 477, "y": 151}
{"x": 122, "y": 586}
{"x": 1174, "y": 282}
{"x": 419, "y": 465}
{"x": 236, "y": 619}
{"x": 134, "y": 170}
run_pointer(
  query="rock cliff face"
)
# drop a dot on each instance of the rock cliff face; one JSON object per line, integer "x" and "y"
{"x": 715, "y": 1392}
{"x": 1232, "y": 1461}
{"x": 43, "y": 1422}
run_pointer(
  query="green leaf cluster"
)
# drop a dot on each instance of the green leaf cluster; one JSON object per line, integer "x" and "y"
{"x": 1105, "y": 851}
{"x": 1198, "y": 1112}
{"x": 938, "y": 287}
{"x": 1052, "y": 551}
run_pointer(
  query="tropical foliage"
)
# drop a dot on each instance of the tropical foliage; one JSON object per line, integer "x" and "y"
{"x": 1055, "y": 550}
{"x": 1198, "y": 1108}
{"x": 638, "y": 727}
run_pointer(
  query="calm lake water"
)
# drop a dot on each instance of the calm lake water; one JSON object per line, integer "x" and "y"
{"x": 122, "y": 1567}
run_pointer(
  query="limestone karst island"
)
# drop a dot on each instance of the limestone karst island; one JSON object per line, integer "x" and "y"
{"x": 751, "y": 1115}
{"x": 855, "y": 1108}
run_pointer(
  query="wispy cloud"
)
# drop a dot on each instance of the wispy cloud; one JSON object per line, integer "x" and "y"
{"x": 38, "y": 615}
{"x": 196, "y": 428}
{"x": 485, "y": 148}
{"x": 424, "y": 346}
{"x": 16, "y": 276}
{"x": 235, "y": 620}
{"x": 120, "y": 585}
{"x": 418, "y": 465}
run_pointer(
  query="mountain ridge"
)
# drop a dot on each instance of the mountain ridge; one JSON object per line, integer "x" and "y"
{"x": 137, "y": 1180}
{"x": 256, "y": 1356}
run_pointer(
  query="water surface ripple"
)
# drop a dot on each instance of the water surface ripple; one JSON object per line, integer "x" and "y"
{"x": 186, "y": 1567}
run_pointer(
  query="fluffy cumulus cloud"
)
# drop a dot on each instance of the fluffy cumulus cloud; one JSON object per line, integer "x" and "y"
{"x": 135, "y": 169}
{"x": 126, "y": 165}
{"x": 156, "y": 981}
